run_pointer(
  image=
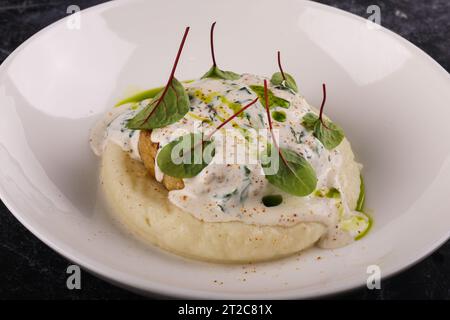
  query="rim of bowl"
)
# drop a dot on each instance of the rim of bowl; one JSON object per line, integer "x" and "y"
{"x": 133, "y": 283}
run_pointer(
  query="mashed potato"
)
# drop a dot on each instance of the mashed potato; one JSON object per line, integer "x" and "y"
{"x": 143, "y": 207}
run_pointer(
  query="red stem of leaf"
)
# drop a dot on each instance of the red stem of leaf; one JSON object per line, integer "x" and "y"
{"x": 324, "y": 99}
{"x": 212, "y": 44}
{"x": 279, "y": 66}
{"x": 266, "y": 98}
{"x": 172, "y": 74}
{"x": 232, "y": 117}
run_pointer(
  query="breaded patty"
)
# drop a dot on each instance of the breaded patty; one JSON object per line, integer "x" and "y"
{"x": 148, "y": 151}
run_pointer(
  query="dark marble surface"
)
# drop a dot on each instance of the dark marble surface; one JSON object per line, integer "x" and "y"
{"x": 29, "y": 269}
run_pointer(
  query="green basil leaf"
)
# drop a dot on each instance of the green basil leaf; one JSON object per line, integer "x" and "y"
{"x": 274, "y": 101}
{"x": 185, "y": 157}
{"x": 296, "y": 176}
{"x": 172, "y": 107}
{"x": 216, "y": 73}
{"x": 278, "y": 80}
{"x": 309, "y": 120}
{"x": 272, "y": 200}
{"x": 330, "y": 134}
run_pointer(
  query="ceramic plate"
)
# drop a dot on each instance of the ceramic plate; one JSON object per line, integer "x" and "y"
{"x": 391, "y": 98}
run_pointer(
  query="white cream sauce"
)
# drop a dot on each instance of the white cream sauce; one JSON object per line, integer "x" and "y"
{"x": 226, "y": 191}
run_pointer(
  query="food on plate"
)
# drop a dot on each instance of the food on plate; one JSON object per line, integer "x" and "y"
{"x": 230, "y": 168}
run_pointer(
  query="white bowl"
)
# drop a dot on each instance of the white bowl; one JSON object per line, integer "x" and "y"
{"x": 390, "y": 97}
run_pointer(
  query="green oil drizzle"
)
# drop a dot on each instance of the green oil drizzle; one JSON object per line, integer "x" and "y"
{"x": 206, "y": 98}
{"x": 369, "y": 226}
{"x": 143, "y": 95}
{"x": 272, "y": 200}
{"x": 279, "y": 116}
{"x": 232, "y": 105}
{"x": 360, "y": 208}
{"x": 331, "y": 193}
{"x": 197, "y": 117}
{"x": 147, "y": 94}
{"x": 274, "y": 101}
{"x": 362, "y": 196}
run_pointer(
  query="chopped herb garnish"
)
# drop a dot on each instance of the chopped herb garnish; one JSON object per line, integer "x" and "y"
{"x": 297, "y": 136}
{"x": 227, "y": 196}
{"x": 245, "y": 89}
{"x": 244, "y": 192}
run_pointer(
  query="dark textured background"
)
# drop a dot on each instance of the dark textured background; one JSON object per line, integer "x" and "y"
{"x": 29, "y": 269}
